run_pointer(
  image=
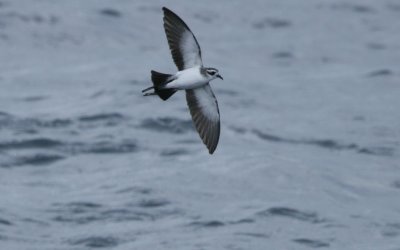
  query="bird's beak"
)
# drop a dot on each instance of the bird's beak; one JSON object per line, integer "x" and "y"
{"x": 219, "y": 76}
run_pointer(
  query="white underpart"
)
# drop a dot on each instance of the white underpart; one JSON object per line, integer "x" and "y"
{"x": 188, "y": 79}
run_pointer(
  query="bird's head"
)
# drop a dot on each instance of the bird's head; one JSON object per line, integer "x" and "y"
{"x": 213, "y": 73}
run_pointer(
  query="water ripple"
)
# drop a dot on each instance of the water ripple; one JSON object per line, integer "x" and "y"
{"x": 292, "y": 213}
{"x": 150, "y": 203}
{"x": 275, "y": 23}
{"x": 327, "y": 144}
{"x": 391, "y": 230}
{"x": 87, "y": 212}
{"x": 381, "y": 73}
{"x": 311, "y": 243}
{"x": 174, "y": 152}
{"x": 5, "y": 222}
{"x": 59, "y": 150}
{"x": 30, "y": 143}
{"x": 109, "y": 12}
{"x": 96, "y": 242}
{"x": 207, "y": 224}
{"x": 108, "y": 117}
{"x": 167, "y": 124}
{"x": 253, "y": 235}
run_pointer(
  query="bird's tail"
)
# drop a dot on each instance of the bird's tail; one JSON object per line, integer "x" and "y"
{"x": 159, "y": 81}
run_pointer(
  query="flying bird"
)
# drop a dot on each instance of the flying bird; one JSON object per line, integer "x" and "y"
{"x": 192, "y": 77}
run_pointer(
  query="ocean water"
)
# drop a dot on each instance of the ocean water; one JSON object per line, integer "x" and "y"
{"x": 309, "y": 154}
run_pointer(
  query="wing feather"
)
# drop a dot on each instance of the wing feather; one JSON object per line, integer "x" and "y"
{"x": 203, "y": 107}
{"x": 183, "y": 44}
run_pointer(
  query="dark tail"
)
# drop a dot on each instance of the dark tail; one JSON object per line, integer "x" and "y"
{"x": 159, "y": 81}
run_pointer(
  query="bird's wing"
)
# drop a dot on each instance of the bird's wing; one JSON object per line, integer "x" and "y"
{"x": 183, "y": 44}
{"x": 203, "y": 107}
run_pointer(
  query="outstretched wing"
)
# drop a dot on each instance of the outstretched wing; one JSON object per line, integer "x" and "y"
{"x": 203, "y": 107}
{"x": 183, "y": 44}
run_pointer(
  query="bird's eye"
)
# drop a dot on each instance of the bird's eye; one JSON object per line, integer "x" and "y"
{"x": 211, "y": 72}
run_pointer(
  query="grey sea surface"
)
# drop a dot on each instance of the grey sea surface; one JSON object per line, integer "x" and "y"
{"x": 309, "y": 154}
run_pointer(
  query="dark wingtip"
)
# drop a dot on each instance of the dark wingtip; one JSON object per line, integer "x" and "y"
{"x": 166, "y": 12}
{"x": 169, "y": 12}
{"x": 212, "y": 149}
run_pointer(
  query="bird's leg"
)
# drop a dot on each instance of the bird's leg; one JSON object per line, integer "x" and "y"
{"x": 148, "y": 94}
{"x": 152, "y": 87}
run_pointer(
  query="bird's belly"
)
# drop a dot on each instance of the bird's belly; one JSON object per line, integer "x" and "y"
{"x": 187, "y": 82}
